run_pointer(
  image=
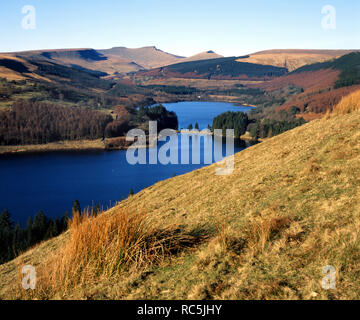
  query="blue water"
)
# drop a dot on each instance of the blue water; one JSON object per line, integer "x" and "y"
{"x": 201, "y": 112}
{"x": 52, "y": 181}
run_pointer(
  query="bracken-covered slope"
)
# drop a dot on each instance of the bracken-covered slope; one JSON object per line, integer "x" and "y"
{"x": 291, "y": 207}
{"x": 323, "y": 84}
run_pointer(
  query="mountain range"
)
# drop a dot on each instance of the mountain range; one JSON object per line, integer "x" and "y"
{"x": 311, "y": 81}
{"x": 122, "y": 60}
{"x": 111, "y": 61}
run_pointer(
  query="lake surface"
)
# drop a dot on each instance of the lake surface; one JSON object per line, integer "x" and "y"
{"x": 201, "y": 112}
{"x": 52, "y": 181}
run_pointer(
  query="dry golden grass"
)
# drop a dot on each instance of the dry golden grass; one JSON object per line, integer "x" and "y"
{"x": 291, "y": 207}
{"x": 293, "y": 59}
{"x": 348, "y": 104}
{"x": 102, "y": 247}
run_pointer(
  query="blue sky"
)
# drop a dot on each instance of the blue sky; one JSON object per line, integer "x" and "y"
{"x": 229, "y": 27}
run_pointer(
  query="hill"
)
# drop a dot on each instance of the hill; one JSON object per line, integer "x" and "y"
{"x": 294, "y": 59}
{"x": 220, "y": 68}
{"x": 290, "y": 208}
{"x": 207, "y": 55}
{"x": 147, "y": 57}
{"x": 111, "y": 61}
{"x": 43, "y": 80}
{"x": 82, "y": 58}
{"x": 322, "y": 85}
{"x": 348, "y": 66}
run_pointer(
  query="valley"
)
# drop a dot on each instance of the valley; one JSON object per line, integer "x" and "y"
{"x": 260, "y": 233}
{"x": 64, "y": 115}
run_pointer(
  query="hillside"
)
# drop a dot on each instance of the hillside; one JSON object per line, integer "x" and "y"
{"x": 322, "y": 85}
{"x": 15, "y": 68}
{"x": 207, "y": 55}
{"x": 294, "y": 59}
{"x": 147, "y": 57}
{"x": 221, "y": 68}
{"x": 82, "y": 58}
{"x": 124, "y": 60}
{"x": 290, "y": 208}
{"x": 111, "y": 61}
{"x": 36, "y": 78}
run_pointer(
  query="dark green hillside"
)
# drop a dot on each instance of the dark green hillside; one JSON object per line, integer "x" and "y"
{"x": 57, "y": 83}
{"x": 79, "y": 78}
{"x": 178, "y": 90}
{"x": 13, "y": 65}
{"x": 349, "y": 65}
{"x": 86, "y": 54}
{"x": 227, "y": 67}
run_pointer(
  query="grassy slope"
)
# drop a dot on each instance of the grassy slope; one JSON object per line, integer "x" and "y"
{"x": 290, "y": 208}
{"x": 294, "y": 59}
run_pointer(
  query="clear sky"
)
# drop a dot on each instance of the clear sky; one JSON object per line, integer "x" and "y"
{"x": 187, "y": 27}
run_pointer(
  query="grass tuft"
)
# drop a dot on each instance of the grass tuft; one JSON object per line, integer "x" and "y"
{"x": 103, "y": 246}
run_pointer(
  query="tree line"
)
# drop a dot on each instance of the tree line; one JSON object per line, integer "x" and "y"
{"x": 232, "y": 120}
{"x": 165, "y": 119}
{"x": 258, "y": 129}
{"x": 268, "y": 128}
{"x": 38, "y": 123}
{"x": 14, "y": 239}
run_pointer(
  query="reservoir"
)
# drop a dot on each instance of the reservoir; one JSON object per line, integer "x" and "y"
{"x": 52, "y": 181}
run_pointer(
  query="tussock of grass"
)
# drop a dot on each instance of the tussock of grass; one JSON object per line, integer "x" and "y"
{"x": 263, "y": 230}
{"x": 104, "y": 246}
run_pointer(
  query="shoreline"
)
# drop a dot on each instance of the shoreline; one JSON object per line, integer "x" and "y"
{"x": 60, "y": 146}
{"x": 109, "y": 144}
{"x": 225, "y": 99}
{"x": 63, "y": 146}
{"x": 86, "y": 145}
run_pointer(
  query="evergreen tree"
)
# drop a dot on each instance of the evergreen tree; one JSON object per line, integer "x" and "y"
{"x": 5, "y": 221}
{"x": 190, "y": 127}
{"x": 28, "y": 232}
{"x": 18, "y": 240}
{"x": 6, "y": 231}
{"x": 40, "y": 226}
{"x": 131, "y": 193}
{"x": 76, "y": 207}
{"x": 238, "y": 121}
{"x": 14, "y": 241}
{"x": 196, "y": 126}
{"x": 64, "y": 221}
